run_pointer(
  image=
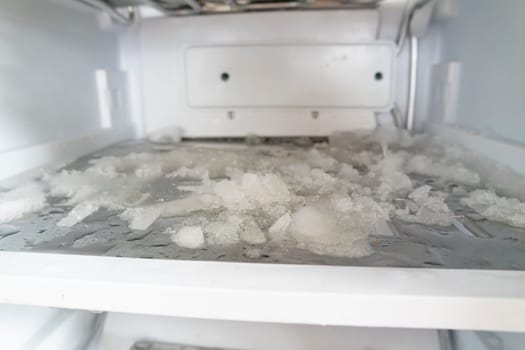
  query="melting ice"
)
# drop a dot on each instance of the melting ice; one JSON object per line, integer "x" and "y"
{"x": 328, "y": 198}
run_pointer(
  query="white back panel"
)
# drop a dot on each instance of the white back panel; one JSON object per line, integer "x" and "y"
{"x": 289, "y": 76}
{"x": 257, "y": 104}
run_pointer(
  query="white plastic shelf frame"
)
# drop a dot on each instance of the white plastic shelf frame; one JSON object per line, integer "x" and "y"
{"x": 322, "y": 295}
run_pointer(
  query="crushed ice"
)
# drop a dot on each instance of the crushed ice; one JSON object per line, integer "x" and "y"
{"x": 326, "y": 198}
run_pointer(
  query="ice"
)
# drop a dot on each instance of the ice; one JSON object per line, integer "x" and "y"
{"x": 250, "y": 231}
{"x": 252, "y": 191}
{"x": 223, "y": 233}
{"x": 346, "y": 171}
{"x": 319, "y": 159}
{"x": 392, "y": 184}
{"x": 430, "y": 208}
{"x": 278, "y": 229}
{"x": 493, "y": 207}
{"x": 310, "y": 222}
{"x": 306, "y": 180}
{"x": 188, "y": 237}
{"x": 89, "y": 186}
{"x": 327, "y": 198}
{"x": 20, "y": 201}
{"x": 190, "y": 204}
{"x": 451, "y": 171}
{"x": 167, "y": 135}
{"x": 368, "y": 209}
{"x": 78, "y": 213}
{"x": 106, "y": 167}
{"x": 322, "y": 231}
{"x": 392, "y": 180}
{"x": 253, "y": 253}
{"x": 331, "y": 225}
{"x": 141, "y": 218}
{"x": 75, "y": 185}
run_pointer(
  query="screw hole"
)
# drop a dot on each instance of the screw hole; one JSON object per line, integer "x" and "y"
{"x": 231, "y": 115}
{"x": 315, "y": 114}
{"x": 225, "y": 76}
{"x": 378, "y": 76}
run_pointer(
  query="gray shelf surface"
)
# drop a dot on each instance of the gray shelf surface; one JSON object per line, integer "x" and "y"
{"x": 494, "y": 246}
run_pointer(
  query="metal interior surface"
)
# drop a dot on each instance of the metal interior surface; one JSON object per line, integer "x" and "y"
{"x": 153, "y": 345}
{"x": 192, "y": 7}
{"x": 490, "y": 245}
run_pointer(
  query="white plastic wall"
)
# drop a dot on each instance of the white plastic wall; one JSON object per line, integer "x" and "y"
{"x": 487, "y": 38}
{"x": 470, "y": 79}
{"x": 50, "y": 91}
{"x": 44, "y": 328}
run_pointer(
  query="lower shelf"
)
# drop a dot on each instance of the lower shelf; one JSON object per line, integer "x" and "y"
{"x": 144, "y": 332}
{"x": 321, "y": 295}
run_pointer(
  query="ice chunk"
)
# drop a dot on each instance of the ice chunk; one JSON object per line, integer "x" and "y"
{"x": 449, "y": 171}
{"x": 135, "y": 198}
{"x": 222, "y": 233}
{"x": 188, "y": 237}
{"x": 76, "y": 185}
{"x": 309, "y": 222}
{"x": 393, "y": 183}
{"x": 250, "y": 232}
{"x": 387, "y": 135}
{"x": 366, "y": 208}
{"x": 493, "y": 207}
{"x": 346, "y": 171}
{"x": 253, "y": 253}
{"x": 232, "y": 194}
{"x": 78, "y": 213}
{"x": 141, "y": 218}
{"x": 279, "y": 227}
{"x": 105, "y": 166}
{"x": 430, "y": 208}
{"x": 306, "y": 181}
{"x": 392, "y": 180}
{"x": 275, "y": 211}
{"x": 318, "y": 159}
{"x": 167, "y": 135}
{"x": 80, "y": 187}
{"x": 252, "y": 191}
{"x": 190, "y": 204}
{"x": 17, "y": 202}
{"x": 320, "y": 230}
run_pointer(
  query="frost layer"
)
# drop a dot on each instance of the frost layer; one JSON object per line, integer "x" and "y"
{"x": 327, "y": 198}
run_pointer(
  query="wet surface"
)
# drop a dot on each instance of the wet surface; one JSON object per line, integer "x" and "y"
{"x": 472, "y": 242}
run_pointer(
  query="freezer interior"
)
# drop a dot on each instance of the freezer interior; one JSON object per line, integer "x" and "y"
{"x": 355, "y": 133}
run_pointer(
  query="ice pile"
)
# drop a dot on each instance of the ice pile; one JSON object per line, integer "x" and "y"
{"x": 327, "y": 198}
{"x": 19, "y": 201}
{"x": 508, "y": 210}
